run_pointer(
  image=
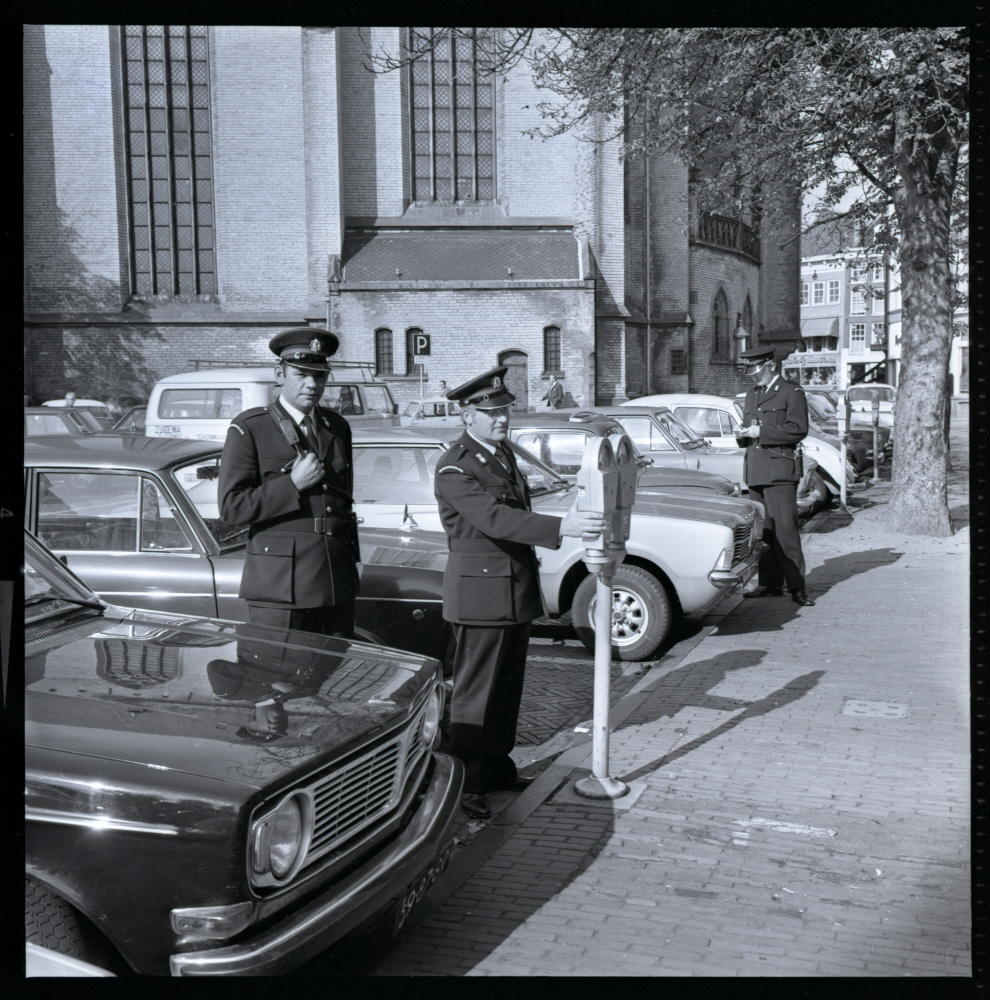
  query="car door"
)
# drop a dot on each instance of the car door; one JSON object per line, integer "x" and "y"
{"x": 711, "y": 423}
{"x": 119, "y": 531}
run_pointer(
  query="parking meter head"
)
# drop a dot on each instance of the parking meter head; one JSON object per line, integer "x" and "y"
{"x": 625, "y": 461}
{"x": 598, "y": 485}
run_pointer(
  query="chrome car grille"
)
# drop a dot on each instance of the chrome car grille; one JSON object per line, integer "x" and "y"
{"x": 362, "y": 791}
{"x": 744, "y": 536}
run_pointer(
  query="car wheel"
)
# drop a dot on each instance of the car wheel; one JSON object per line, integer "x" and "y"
{"x": 641, "y": 613}
{"x": 814, "y": 498}
{"x": 52, "y": 923}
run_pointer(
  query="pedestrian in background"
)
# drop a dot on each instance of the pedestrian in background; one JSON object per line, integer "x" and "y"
{"x": 287, "y": 471}
{"x": 555, "y": 394}
{"x": 491, "y": 589}
{"x": 442, "y": 391}
{"x": 775, "y": 422}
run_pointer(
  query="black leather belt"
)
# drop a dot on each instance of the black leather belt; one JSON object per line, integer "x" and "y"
{"x": 327, "y": 525}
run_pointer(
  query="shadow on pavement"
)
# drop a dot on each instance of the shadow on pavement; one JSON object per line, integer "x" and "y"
{"x": 790, "y": 692}
{"x": 770, "y": 614}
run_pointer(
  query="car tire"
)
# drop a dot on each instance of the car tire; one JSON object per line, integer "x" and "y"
{"x": 814, "y": 498}
{"x": 52, "y": 923}
{"x": 645, "y": 606}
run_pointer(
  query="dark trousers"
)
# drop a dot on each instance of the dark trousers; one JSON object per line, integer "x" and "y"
{"x": 783, "y": 563}
{"x": 489, "y": 663}
{"x": 337, "y": 620}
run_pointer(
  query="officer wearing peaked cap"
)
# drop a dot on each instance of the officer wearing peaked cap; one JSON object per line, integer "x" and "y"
{"x": 287, "y": 472}
{"x": 775, "y": 422}
{"x": 491, "y": 585}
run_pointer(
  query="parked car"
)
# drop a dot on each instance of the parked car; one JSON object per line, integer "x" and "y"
{"x": 685, "y": 553}
{"x": 666, "y": 461}
{"x": 39, "y": 420}
{"x": 861, "y": 401}
{"x": 215, "y": 798}
{"x": 137, "y": 519}
{"x": 201, "y": 404}
{"x": 860, "y": 442}
{"x": 99, "y": 410}
{"x": 437, "y": 411}
{"x": 133, "y": 420}
{"x": 707, "y": 414}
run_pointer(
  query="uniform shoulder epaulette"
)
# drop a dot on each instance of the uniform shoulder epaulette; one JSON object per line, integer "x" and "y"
{"x": 255, "y": 411}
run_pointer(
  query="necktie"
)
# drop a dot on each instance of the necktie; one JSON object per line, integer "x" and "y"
{"x": 311, "y": 439}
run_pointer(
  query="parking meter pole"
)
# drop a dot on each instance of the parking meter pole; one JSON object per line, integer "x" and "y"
{"x": 875, "y": 398}
{"x": 843, "y": 451}
{"x": 607, "y": 483}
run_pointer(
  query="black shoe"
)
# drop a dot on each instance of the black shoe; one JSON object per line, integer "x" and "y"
{"x": 518, "y": 784}
{"x": 801, "y": 597}
{"x": 476, "y": 805}
{"x": 764, "y": 592}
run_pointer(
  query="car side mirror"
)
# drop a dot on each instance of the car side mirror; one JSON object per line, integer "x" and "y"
{"x": 395, "y": 408}
{"x": 208, "y": 472}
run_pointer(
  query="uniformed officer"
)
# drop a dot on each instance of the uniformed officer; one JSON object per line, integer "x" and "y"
{"x": 491, "y": 586}
{"x": 775, "y": 421}
{"x": 287, "y": 471}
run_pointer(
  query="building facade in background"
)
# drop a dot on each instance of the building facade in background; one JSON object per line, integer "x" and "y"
{"x": 190, "y": 190}
{"x": 851, "y": 318}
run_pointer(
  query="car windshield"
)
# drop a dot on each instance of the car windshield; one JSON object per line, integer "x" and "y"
{"x": 561, "y": 449}
{"x": 377, "y": 399}
{"x": 679, "y": 430}
{"x": 199, "y": 481}
{"x": 864, "y": 393}
{"x": 403, "y": 474}
{"x": 49, "y": 588}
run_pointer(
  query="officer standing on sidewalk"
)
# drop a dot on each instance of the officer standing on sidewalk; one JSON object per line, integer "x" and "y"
{"x": 775, "y": 422}
{"x": 287, "y": 471}
{"x": 491, "y": 590}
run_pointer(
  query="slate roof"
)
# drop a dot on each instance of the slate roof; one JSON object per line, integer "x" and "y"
{"x": 459, "y": 255}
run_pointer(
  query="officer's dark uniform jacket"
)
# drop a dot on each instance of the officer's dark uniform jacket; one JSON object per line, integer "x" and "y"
{"x": 302, "y": 549}
{"x": 782, "y": 413}
{"x": 492, "y": 576}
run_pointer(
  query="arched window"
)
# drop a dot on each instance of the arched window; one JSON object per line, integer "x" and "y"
{"x": 551, "y": 350}
{"x": 720, "y": 328}
{"x": 383, "y": 352}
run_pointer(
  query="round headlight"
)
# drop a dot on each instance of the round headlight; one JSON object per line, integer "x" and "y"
{"x": 431, "y": 717}
{"x": 287, "y": 835}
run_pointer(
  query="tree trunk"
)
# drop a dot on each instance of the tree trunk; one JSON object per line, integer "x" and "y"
{"x": 918, "y": 503}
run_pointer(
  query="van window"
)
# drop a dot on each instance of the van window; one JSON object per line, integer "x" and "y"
{"x": 342, "y": 399}
{"x": 377, "y": 398}
{"x": 411, "y": 407}
{"x": 199, "y": 404}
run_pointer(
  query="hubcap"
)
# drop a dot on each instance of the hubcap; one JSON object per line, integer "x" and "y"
{"x": 630, "y": 617}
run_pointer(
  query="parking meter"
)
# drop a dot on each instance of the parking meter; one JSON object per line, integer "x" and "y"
{"x": 625, "y": 460}
{"x": 844, "y": 428}
{"x": 606, "y": 482}
{"x": 598, "y": 486}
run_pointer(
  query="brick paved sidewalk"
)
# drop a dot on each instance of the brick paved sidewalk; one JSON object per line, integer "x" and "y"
{"x": 799, "y": 801}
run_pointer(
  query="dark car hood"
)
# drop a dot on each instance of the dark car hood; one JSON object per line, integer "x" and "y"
{"x": 727, "y": 511}
{"x": 174, "y": 693}
{"x": 665, "y": 477}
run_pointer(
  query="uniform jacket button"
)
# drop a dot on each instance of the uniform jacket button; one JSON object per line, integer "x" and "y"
{"x": 484, "y": 571}
{"x": 266, "y": 548}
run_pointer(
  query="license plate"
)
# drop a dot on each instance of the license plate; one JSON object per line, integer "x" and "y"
{"x": 417, "y": 890}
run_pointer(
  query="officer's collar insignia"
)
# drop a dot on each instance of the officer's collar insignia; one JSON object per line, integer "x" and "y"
{"x": 314, "y": 344}
{"x": 496, "y": 383}
{"x": 481, "y": 458}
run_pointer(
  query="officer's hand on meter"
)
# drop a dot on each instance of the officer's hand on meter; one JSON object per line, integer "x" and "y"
{"x": 307, "y": 471}
{"x": 582, "y": 522}
{"x": 753, "y": 431}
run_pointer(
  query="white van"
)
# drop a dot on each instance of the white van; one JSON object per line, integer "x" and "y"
{"x": 201, "y": 404}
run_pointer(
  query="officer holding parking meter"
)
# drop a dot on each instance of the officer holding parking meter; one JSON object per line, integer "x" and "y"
{"x": 491, "y": 585}
{"x": 775, "y": 422}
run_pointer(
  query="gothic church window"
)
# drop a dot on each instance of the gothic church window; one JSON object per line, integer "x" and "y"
{"x": 721, "y": 351}
{"x": 453, "y": 115}
{"x": 168, "y": 150}
{"x": 383, "y": 352}
{"x": 551, "y": 351}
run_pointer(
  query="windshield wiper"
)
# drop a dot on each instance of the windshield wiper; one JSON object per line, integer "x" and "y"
{"x": 69, "y": 600}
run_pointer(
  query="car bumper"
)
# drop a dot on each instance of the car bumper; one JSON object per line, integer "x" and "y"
{"x": 308, "y": 930}
{"x": 743, "y": 570}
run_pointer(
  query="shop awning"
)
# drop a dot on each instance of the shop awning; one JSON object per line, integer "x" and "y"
{"x": 820, "y": 326}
